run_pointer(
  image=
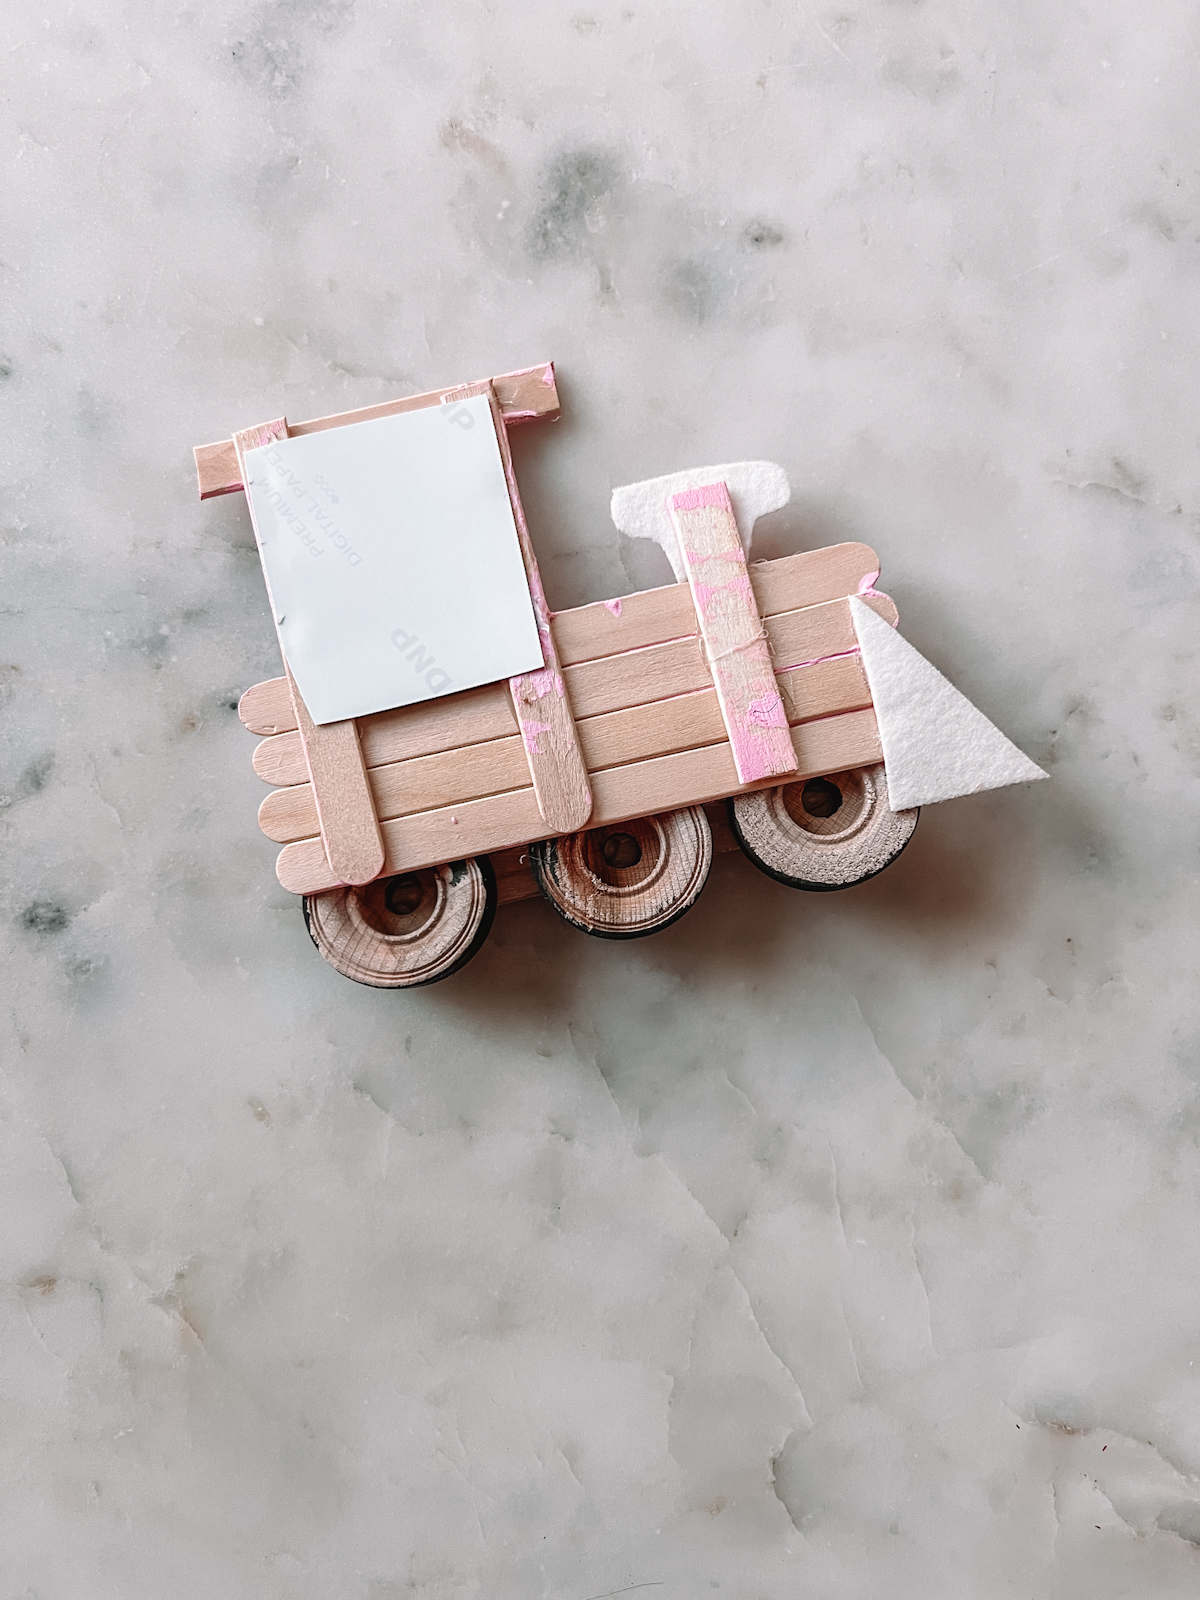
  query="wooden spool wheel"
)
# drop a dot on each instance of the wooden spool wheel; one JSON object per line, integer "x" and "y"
{"x": 401, "y": 932}
{"x": 625, "y": 881}
{"x": 825, "y": 833}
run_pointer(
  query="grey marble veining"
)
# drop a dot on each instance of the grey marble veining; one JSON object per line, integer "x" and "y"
{"x": 823, "y": 1245}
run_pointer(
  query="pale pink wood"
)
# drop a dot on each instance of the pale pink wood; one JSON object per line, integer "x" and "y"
{"x": 514, "y": 880}
{"x": 824, "y": 675}
{"x": 345, "y": 807}
{"x": 794, "y": 586}
{"x": 498, "y": 822}
{"x": 813, "y": 576}
{"x": 350, "y": 836}
{"x": 614, "y": 739}
{"x": 735, "y": 638}
{"x": 524, "y": 396}
{"x": 540, "y": 701}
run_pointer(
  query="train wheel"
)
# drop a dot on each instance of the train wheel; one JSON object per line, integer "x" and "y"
{"x": 401, "y": 932}
{"x": 825, "y": 833}
{"x": 626, "y": 881}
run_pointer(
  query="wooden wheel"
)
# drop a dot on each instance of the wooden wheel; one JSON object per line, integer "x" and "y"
{"x": 826, "y": 833}
{"x": 398, "y": 933}
{"x": 629, "y": 880}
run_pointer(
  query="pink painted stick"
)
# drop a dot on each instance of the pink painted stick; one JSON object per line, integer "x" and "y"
{"x": 733, "y": 633}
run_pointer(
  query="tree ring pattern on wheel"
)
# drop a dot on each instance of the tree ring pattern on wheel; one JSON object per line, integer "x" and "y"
{"x": 629, "y": 879}
{"x": 407, "y": 930}
{"x": 823, "y": 833}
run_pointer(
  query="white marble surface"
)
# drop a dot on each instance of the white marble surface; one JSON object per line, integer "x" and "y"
{"x": 841, "y": 1246}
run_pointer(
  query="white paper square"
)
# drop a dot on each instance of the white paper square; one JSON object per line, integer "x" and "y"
{"x": 391, "y": 559}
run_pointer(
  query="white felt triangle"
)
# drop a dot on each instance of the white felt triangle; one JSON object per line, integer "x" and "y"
{"x": 936, "y": 744}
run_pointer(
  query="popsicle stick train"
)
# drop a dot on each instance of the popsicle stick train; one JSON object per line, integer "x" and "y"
{"x": 440, "y": 742}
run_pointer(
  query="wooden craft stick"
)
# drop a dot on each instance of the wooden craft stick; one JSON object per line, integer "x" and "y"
{"x": 735, "y": 639}
{"x": 540, "y": 700}
{"x": 823, "y": 689}
{"x": 652, "y": 616}
{"x": 638, "y": 733}
{"x": 618, "y": 738}
{"x": 340, "y": 791}
{"x": 813, "y": 576}
{"x": 595, "y": 685}
{"x": 694, "y": 776}
{"x": 524, "y": 396}
{"x": 343, "y": 804}
{"x": 811, "y": 639}
{"x": 616, "y": 734}
{"x": 514, "y": 880}
{"x": 498, "y": 822}
{"x": 423, "y": 784}
{"x": 449, "y": 723}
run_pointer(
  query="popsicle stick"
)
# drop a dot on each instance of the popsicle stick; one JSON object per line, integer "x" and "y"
{"x": 524, "y": 396}
{"x": 615, "y": 739}
{"x": 823, "y": 689}
{"x": 693, "y": 777}
{"x": 812, "y": 577}
{"x": 338, "y": 777}
{"x": 651, "y": 616}
{"x": 540, "y": 699}
{"x": 498, "y": 822}
{"x": 614, "y": 683}
{"x": 610, "y": 683}
{"x": 735, "y": 638}
{"x": 343, "y": 804}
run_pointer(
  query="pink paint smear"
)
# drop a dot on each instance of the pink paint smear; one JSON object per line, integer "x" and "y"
{"x": 712, "y": 494}
{"x": 705, "y": 592}
{"x": 838, "y": 655}
{"x": 867, "y": 586}
{"x": 531, "y": 686}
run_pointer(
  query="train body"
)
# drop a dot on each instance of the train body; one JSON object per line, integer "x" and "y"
{"x": 730, "y": 708}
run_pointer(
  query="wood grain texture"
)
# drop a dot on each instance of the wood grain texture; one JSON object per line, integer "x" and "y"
{"x": 525, "y": 396}
{"x": 515, "y": 880}
{"x": 627, "y": 881}
{"x": 498, "y": 822}
{"x": 399, "y": 934}
{"x": 540, "y": 699}
{"x": 843, "y": 834}
{"x": 817, "y": 635}
{"x": 472, "y": 717}
{"x": 337, "y": 774}
{"x": 654, "y": 616}
{"x": 343, "y": 805}
{"x": 735, "y": 637}
{"x": 636, "y": 733}
{"x": 813, "y": 576}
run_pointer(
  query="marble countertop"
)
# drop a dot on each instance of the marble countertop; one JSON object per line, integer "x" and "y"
{"x": 830, "y": 1245}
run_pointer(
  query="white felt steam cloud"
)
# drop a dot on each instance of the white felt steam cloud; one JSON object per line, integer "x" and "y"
{"x": 755, "y": 487}
{"x": 936, "y": 744}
